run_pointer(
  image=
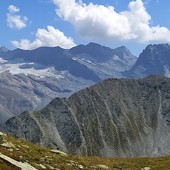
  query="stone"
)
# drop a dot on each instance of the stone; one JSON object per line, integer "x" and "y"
{"x": 1, "y": 134}
{"x": 10, "y": 150}
{"x": 146, "y": 168}
{"x": 50, "y": 167}
{"x": 8, "y": 145}
{"x": 42, "y": 166}
{"x": 59, "y": 152}
{"x": 102, "y": 166}
{"x": 80, "y": 166}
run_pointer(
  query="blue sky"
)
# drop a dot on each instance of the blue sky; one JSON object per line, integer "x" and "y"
{"x": 30, "y": 24}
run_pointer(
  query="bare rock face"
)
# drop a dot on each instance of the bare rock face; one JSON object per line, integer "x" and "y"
{"x": 155, "y": 59}
{"x": 118, "y": 117}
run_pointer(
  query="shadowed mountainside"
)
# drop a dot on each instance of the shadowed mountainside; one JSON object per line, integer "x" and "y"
{"x": 155, "y": 59}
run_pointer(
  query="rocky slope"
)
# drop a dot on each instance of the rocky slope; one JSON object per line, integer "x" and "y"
{"x": 155, "y": 59}
{"x": 19, "y": 92}
{"x": 31, "y": 79}
{"x": 118, "y": 117}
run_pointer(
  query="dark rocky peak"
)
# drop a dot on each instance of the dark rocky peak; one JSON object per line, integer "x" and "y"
{"x": 154, "y": 59}
{"x": 123, "y": 52}
{"x": 156, "y": 51}
{"x": 4, "y": 49}
{"x": 94, "y": 51}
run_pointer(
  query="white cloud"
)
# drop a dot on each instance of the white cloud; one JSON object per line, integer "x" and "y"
{"x": 14, "y": 20}
{"x": 51, "y": 37}
{"x": 98, "y": 22}
{"x": 13, "y": 9}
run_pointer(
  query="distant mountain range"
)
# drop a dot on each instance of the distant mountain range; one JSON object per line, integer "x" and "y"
{"x": 81, "y": 61}
{"x": 118, "y": 117}
{"x": 29, "y": 79}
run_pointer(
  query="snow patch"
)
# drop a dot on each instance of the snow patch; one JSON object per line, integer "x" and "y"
{"x": 115, "y": 57}
{"x": 28, "y": 69}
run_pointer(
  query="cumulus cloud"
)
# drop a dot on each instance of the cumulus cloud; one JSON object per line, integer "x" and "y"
{"x": 50, "y": 38}
{"x": 13, "y": 9}
{"x": 99, "y": 22}
{"x": 14, "y": 20}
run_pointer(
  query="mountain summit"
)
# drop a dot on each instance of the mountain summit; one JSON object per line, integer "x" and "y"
{"x": 155, "y": 59}
{"x": 4, "y": 49}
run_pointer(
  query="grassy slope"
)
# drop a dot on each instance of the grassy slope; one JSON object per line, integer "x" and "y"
{"x": 33, "y": 154}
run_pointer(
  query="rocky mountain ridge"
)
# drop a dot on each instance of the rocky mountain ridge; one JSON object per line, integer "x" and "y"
{"x": 118, "y": 117}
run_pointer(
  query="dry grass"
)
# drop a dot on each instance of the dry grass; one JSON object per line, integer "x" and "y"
{"x": 7, "y": 166}
{"x": 34, "y": 154}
